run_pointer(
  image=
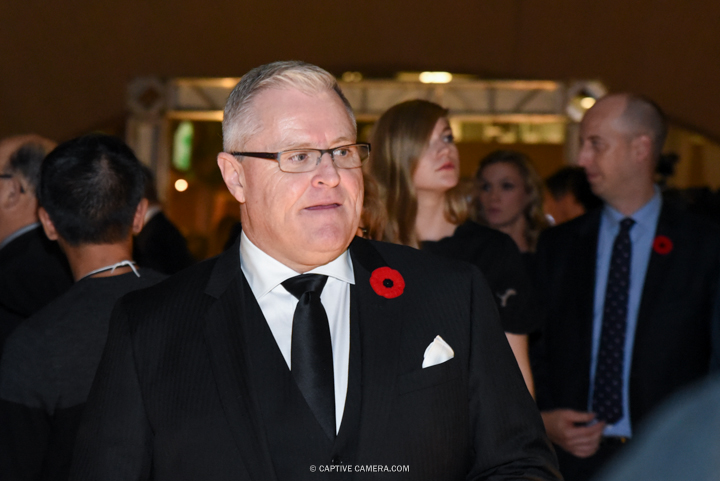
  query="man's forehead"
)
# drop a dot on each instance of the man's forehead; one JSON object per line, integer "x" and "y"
{"x": 606, "y": 113}
{"x": 296, "y": 117}
{"x": 288, "y": 99}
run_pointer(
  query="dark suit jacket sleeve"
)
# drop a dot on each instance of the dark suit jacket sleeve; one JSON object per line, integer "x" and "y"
{"x": 538, "y": 351}
{"x": 509, "y": 438}
{"x": 114, "y": 441}
{"x": 715, "y": 359}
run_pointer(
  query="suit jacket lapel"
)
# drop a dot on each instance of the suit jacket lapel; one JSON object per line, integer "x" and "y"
{"x": 380, "y": 322}
{"x": 654, "y": 279}
{"x": 582, "y": 295}
{"x": 225, "y": 340}
{"x": 586, "y": 265}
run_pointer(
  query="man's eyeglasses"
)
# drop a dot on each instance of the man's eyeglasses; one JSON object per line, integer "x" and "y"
{"x": 306, "y": 160}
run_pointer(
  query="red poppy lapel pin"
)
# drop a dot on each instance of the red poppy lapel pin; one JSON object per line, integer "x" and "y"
{"x": 662, "y": 245}
{"x": 387, "y": 282}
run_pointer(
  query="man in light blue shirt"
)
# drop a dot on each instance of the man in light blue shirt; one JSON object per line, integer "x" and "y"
{"x": 628, "y": 310}
{"x": 641, "y": 236}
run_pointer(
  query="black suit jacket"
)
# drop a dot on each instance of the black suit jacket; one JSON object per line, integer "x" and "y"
{"x": 672, "y": 340}
{"x": 33, "y": 272}
{"x": 193, "y": 386}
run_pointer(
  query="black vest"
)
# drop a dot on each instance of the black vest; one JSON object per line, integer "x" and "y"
{"x": 295, "y": 439}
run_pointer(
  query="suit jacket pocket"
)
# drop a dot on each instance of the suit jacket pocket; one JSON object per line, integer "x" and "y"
{"x": 428, "y": 377}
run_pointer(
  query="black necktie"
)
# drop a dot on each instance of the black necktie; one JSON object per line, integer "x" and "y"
{"x": 608, "y": 390}
{"x": 311, "y": 359}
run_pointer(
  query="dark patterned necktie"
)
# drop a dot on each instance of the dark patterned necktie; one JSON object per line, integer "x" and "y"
{"x": 311, "y": 359}
{"x": 608, "y": 390}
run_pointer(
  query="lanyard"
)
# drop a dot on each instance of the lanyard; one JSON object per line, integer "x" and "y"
{"x": 111, "y": 268}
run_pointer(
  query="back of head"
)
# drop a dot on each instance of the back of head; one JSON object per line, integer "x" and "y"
{"x": 22, "y": 156}
{"x": 572, "y": 180}
{"x": 642, "y": 116}
{"x": 91, "y": 187}
{"x": 399, "y": 138}
{"x": 238, "y": 123}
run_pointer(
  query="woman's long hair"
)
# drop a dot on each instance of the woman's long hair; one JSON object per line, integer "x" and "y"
{"x": 533, "y": 184}
{"x": 399, "y": 138}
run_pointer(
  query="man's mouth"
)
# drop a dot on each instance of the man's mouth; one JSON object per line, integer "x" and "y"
{"x": 323, "y": 207}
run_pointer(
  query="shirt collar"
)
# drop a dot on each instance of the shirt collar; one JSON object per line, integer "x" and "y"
{"x": 18, "y": 233}
{"x": 645, "y": 217}
{"x": 264, "y": 273}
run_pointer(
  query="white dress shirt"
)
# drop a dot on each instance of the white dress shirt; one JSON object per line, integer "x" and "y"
{"x": 265, "y": 276}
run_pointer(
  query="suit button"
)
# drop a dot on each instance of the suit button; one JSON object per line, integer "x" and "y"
{"x": 336, "y": 460}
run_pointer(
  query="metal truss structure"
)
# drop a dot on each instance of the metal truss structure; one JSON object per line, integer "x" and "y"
{"x": 154, "y": 104}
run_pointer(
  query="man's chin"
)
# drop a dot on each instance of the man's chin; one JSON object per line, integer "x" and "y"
{"x": 323, "y": 248}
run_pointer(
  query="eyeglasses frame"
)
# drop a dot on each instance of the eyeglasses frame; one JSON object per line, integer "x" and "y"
{"x": 276, "y": 155}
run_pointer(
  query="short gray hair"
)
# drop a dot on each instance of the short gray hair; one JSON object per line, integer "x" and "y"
{"x": 643, "y": 116}
{"x": 237, "y": 120}
{"x": 26, "y": 155}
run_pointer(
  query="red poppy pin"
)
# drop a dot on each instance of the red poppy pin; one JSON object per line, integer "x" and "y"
{"x": 387, "y": 282}
{"x": 662, "y": 245}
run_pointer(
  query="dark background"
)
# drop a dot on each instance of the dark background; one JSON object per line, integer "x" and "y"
{"x": 65, "y": 65}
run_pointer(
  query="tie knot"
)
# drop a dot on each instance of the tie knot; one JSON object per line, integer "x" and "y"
{"x": 299, "y": 285}
{"x": 626, "y": 224}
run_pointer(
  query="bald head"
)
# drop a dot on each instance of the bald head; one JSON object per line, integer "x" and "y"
{"x": 638, "y": 115}
{"x": 22, "y": 156}
{"x": 621, "y": 138}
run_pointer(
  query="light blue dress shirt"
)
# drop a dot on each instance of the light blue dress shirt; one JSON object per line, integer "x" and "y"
{"x": 642, "y": 236}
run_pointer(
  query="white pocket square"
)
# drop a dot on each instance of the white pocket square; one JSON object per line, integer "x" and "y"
{"x": 437, "y": 352}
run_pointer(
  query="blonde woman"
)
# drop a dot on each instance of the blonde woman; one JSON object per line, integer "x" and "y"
{"x": 508, "y": 197}
{"x": 415, "y": 165}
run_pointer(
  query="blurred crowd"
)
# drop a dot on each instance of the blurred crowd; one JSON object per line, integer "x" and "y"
{"x": 606, "y": 282}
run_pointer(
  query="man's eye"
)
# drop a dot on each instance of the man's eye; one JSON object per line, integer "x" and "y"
{"x": 341, "y": 152}
{"x": 449, "y": 139}
{"x": 299, "y": 157}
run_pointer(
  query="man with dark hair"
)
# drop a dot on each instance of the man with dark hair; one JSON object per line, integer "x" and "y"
{"x": 33, "y": 269}
{"x": 569, "y": 195}
{"x": 304, "y": 352}
{"x": 90, "y": 192}
{"x": 629, "y": 290}
{"x": 159, "y": 245}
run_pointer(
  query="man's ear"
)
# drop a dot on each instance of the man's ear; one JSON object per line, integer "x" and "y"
{"x": 233, "y": 173}
{"x": 139, "y": 219}
{"x": 47, "y": 224}
{"x": 642, "y": 147}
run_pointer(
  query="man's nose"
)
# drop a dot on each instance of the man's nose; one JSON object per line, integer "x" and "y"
{"x": 327, "y": 172}
{"x": 584, "y": 156}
